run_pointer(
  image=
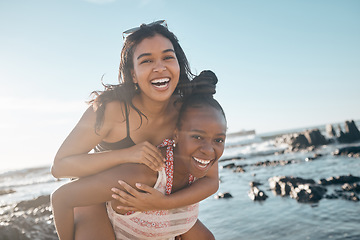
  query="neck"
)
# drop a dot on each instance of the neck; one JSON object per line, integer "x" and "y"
{"x": 151, "y": 108}
{"x": 181, "y": 174}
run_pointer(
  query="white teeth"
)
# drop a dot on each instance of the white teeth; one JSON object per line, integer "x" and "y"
{"x": 160, "y": 81}
{"x": 205, "y": 162}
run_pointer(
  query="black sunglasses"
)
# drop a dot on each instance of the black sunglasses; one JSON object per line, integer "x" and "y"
{"x": 132, "y": 30}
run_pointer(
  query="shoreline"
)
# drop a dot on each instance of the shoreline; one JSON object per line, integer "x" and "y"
{"x": 31, "y": 219}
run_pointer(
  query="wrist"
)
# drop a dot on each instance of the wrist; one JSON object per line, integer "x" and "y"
{"x": 165, "y": 203}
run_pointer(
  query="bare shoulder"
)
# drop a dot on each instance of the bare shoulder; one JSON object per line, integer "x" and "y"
{"x": 115, "y": 110}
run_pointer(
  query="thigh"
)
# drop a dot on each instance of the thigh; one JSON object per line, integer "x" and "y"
{"x": 92, "y": 222}
{"x": 198, "y": 232}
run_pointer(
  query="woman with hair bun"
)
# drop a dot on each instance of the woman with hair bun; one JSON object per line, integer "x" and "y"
{"x": 197, "y": 144}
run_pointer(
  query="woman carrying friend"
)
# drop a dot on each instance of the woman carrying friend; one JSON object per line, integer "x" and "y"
{"x": 127, "y": 121}
{"x": 198, "y": 142}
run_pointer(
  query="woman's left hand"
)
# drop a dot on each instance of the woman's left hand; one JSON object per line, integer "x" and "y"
{"x": 134, "y": 200}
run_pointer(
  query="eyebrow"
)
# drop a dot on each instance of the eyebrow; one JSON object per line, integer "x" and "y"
{"x": 201, "y": 131}
{"x": 149, "y": 54}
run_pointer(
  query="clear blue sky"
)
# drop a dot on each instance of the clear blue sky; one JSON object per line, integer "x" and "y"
{"x": 280, "y": 64}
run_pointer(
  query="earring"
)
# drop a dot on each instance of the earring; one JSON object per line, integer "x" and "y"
{"x": 136, "y": 87}
{"x": 174, "y": 144}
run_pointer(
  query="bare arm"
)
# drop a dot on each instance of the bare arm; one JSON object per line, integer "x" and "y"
{"x": 74, "y": 160}
{"x": 92, "y": 190}
{"x": 154, "y": 200}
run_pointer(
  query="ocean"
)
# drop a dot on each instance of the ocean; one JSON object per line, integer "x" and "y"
{"x": 239, "y": 217}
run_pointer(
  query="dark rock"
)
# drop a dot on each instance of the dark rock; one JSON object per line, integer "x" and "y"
{"x": 230, "y": 159}
{"x": 331, "y": 196}
{"x": 272, "y": 163}
{"x": 351, "y": 197}
{"x": 255, "y": 184}
{"x": 223, "y": 195}
{"x": 6, "y": 191}
{"x": 230, "y": 165}
{"x": 239, "y": 169}
{"x": 351, "y": 133}
{"x": 306, "y": 193}
{"x": 308, "y": 140}
{"x": 315, "y": 138}
{"x": 339, "y": 180}
{"x": 330, "y": 130}
{"x": 299, "y": 141}
{"x": 351, "y": 187}
{"x": 314, "y": 157}
{"x": 256, "y": 194}
{"x": 303, "y": 190}
{"x": 353, "y": 151}
{"x": 30, "y": 219}
{"x": 283, "y": 185}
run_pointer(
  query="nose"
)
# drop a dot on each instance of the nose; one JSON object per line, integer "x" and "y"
{"x": 208, "y": 149}
{"x": 159, "y": 67}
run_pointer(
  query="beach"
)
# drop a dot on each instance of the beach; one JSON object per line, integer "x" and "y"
{"x": 254, "y": 158}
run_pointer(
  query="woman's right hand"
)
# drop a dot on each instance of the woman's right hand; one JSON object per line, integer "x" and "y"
{"x": 145, "y": 198}
{"x": 147, "y": 154}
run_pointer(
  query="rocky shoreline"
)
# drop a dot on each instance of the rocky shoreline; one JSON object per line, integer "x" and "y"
{"x": 27, "y": 220}
{"x": 307, "y": 190}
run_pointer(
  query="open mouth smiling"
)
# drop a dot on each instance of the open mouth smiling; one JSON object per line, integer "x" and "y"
{"x": 161, "y": 83}
{"x": 202, "y": 163}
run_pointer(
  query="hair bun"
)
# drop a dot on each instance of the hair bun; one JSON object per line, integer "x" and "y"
{"x": 205, "y": 83}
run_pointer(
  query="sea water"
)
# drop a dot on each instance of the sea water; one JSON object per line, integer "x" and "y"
{"x": 239, "y": 217}
{"x": 281, "y": 217}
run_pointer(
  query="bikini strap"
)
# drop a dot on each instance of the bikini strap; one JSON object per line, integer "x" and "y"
{"x": 127, "y": 121}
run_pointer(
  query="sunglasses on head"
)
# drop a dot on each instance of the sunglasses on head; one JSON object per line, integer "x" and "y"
{"x": 132, "y": 30}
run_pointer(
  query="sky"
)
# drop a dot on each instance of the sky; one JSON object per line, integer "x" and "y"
{"x": 281, "y": 64}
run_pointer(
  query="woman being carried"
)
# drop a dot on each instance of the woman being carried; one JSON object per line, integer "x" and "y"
{"x": 127, "y": 121}
{"x": 197, "y": 145}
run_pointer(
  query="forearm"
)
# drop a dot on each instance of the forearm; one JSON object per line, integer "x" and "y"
{"x": 82, "y": 165}
{"x": 196, "y": 192}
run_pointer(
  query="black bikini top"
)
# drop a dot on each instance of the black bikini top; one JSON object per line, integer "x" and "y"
{"x": 124, "y": 143}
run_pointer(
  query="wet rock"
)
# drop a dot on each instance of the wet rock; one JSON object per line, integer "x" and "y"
{"x": 28, "y": 220}
{"x": 351, "y": 187}
{"x": 239, "y": 169}
{"x": 306, "y": 193}
{"x": 303, "y": 190}
{"x": 273, "y": 163}
{"x": 314, "y": 157}
{"x": 339, "y": 180}
{"x": 331, "y": 196}
{"x": 330, "y": 130}
{"x": 283, "y": 185}
{"x": 351, "y": 197}
{"x": 6, "y": 191}
{"x": 256, "y": 194}
{"x": 255, "y": 184}
{"x": 230, "y": 165}
{"x": 351, "y": 133}
{"x": 353, "y": 151}
{"x": 223, "y": 195}
{"x": 315, "y": 138}
{"x": 230, "y": 159}
{"x": 298, "y": 141}
{"x": 307, "y": 140}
